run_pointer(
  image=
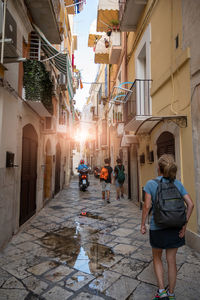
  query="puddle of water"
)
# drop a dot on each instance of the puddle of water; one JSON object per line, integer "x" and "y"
{"x": 90, "y": 215}
{"x": 65, "y": 245}
{"x": 56, "y": 207}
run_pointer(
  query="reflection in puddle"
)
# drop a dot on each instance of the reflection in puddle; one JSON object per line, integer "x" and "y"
{"x": 65, "y": 245}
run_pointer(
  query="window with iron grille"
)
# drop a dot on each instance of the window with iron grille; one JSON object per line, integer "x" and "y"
{"x": 34, "y": 46}
{"x": 166, "y": 144}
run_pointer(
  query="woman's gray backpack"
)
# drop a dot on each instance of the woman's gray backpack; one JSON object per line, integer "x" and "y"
{"x": 169, "y": 207}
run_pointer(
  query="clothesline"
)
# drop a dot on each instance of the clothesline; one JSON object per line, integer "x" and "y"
{"x": 83, "y": 1}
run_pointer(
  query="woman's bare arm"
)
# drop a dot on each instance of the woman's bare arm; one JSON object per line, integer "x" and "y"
{"x": 190, "y": 206}
{"x": 145, "y": 212}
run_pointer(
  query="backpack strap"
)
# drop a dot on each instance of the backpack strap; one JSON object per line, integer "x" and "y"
{"x": 157, "y": 180}
{"x": 150, "y": 211}
{"x": 122, "y": 169}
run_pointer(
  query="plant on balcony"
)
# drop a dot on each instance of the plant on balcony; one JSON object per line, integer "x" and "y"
{"x": 115, "y": 24}
{"x": 37, "y": 83}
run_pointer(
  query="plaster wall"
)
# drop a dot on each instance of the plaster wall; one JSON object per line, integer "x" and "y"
{"x": 191, "y": 32}
{"x": 170, "y": 92}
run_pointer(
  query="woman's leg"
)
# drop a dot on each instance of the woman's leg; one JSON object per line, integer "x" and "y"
{"x": 117, "y": 188}
{"x": 158, "y": 266}
{"x": 172, "y": 270}
{"x": 122, "y": 190}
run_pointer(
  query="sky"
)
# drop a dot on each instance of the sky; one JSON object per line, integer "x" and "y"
{"x": 84, "y": 56}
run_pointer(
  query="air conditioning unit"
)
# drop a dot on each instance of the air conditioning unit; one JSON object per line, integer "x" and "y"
{"x": 62, "y": 81}
{"x": 10, "y": 46}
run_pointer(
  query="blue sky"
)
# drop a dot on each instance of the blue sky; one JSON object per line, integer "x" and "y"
{"x": 84, "y": 56}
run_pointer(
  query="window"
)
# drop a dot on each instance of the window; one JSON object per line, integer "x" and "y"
{"x": 143, "y": 75}
{"x": 34, "y": 46}
{"x": 166, "y": 144}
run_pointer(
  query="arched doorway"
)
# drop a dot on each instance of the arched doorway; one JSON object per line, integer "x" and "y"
{"x": 28, "y": 173}
{"x": 48, "y": 171}
{"x": 166, "y": 144}
{"x": 57, "y": 169}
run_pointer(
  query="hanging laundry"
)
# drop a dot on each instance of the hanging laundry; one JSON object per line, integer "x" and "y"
{"x": 77, "y": 7}
{"x": 81, "y": 84}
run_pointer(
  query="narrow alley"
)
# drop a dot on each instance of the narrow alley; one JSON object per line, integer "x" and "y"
{"x": 79, "y": 247}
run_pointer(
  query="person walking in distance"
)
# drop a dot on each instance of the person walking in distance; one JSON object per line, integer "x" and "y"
{"x": 106, "y": 179}
{"x": 119, "y": 178}
{"x": 167, "y": 227}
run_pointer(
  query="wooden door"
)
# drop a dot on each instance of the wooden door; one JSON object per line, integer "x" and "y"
{"x": 47, "y": 177}
{"x": 28, "y": 174}
{"x": 57, "y": 169}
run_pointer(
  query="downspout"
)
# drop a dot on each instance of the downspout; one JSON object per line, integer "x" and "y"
{"x": 3, "y": 30}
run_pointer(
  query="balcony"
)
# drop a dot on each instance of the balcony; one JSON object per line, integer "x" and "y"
{"x": 138, "y": 106}
{"x": 38, "y": 88}
{"x": 45, "y": 15}
{"x": 138, "y": 110}
{"x": 116, "y": 48}
{"x": 130, "y": 13}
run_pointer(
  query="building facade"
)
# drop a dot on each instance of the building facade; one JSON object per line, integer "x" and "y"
{"x": 36, "y": 108}
{"x": 151, "y": 49}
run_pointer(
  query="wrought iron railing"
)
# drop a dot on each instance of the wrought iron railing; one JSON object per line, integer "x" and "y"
{"x": 138, "y": 100}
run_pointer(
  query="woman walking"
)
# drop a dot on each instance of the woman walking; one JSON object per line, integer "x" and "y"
{"x": 161, "y": 238}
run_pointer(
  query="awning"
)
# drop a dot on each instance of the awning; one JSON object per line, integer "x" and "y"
{"x": 146, "y": 124}
{"x": 94, "y": 36}
{"x": 60, "y": 60}
{"x": 108, "y": 12}
{"x": 101, "y": 52}
{"x": 129, "y": 139}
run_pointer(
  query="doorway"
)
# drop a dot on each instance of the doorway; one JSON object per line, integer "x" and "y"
{"x": 28, "y": 174}
{"x": 57, "y": 168}
{"x": 48, "y": 172}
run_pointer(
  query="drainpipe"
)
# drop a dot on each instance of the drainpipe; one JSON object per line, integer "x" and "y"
{"x": 3, "y": 30}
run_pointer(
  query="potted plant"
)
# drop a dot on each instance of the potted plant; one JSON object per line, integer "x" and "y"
{"x": 115, "y": 24}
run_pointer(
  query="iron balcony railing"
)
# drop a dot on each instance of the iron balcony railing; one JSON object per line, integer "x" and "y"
{"x": 138, "y": 100}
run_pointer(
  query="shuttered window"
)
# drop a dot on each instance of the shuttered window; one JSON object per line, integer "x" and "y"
{"x": 166, "y": 144}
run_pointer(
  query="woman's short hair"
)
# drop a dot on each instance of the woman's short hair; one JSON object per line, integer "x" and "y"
{"x": 167, "y": 166}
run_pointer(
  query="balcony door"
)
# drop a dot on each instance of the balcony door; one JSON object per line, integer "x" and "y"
{"x": 28, "y": 173}
{"x": 143, "y": 75}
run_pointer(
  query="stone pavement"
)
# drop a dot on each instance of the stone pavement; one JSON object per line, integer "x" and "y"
{"x": 79, "y": 247}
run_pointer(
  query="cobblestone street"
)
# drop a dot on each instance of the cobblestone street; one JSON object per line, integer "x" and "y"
{"x": 79, "y": 247}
